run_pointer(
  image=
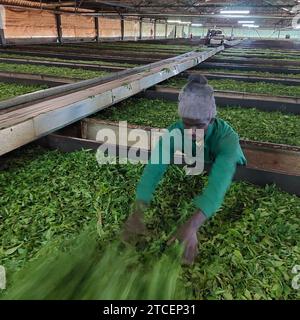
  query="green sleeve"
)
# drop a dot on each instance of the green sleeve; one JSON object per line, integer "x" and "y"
{"x": 154, "y": 172}
{"x": 220, "y": 177}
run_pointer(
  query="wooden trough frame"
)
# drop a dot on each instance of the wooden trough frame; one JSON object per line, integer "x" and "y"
{"x": 83, "y": 57}
{"x": 255, "y": 61}
{"x": 231, "y": 98}
{"x": 47, "y": 63}
{"x": 268, "y": 163}
{"x": 248, "y": 67}
{"x": 244, "y": 77}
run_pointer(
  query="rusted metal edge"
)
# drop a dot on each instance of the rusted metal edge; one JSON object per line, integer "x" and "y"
{"x": 288, "y": 183}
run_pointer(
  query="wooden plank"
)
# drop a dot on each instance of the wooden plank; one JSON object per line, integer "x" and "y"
{"x": 260, "y": 155}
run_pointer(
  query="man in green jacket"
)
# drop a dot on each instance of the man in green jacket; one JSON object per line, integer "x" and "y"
{"x": 222, "y": 150}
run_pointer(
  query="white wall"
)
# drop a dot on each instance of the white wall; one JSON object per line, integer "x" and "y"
{"x": 171, "y": 31}
{"x": 160, "y": 30}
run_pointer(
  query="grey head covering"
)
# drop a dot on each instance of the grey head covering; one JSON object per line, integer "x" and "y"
{"x": 196, "y": 100}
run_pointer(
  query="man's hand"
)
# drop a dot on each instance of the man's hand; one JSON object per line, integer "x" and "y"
{"x": 187, "y": 234}
{"x": 135, "y": 227}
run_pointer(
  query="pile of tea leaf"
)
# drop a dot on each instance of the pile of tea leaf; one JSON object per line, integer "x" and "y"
{"x": 246, "y": 251}
{"x": 52, "y": 71}
{"x": 10, "y": 90}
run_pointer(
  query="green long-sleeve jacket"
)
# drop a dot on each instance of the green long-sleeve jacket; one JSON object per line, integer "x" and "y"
{"x": 221, "y": 149}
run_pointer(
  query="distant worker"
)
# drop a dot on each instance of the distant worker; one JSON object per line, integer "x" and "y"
{"x": 222, "y": 151}
{"x": 151, "y": 33}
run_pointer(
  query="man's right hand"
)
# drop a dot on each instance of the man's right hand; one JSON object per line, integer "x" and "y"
{"x": 134, "y": 227}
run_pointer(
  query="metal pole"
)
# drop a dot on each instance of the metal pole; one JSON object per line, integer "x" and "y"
{"x": 97, "y": 29}
{"x": 59, "y": 28}
{"x": 154, "y": 31}
{"x": 2, "y": 26}
{"x": 122, "y": 28}
{"x": 175, "y": 31}
{"x": 2, "y": 38}
{"x": 166, "y": 30}
{"x": 141, "y": 29}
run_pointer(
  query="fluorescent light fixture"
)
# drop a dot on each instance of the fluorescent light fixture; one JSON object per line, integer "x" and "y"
{"x": 197, "y": 24}
{"x": 235, "y": 11}
{"x": 183, "y": 22}
{"x": 251, "y": 25}
{"x": 174, "y": 21}
{"x": 246, "y": 22}
{"x": 285, "y": 9}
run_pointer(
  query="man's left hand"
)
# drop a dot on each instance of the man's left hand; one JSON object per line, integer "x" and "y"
{"x": 187, "y": 234}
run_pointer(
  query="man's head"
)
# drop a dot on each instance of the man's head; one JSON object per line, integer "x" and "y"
{"x": 197, "y": 106}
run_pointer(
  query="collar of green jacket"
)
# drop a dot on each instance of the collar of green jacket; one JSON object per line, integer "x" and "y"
{"x": 220, "y": 137}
